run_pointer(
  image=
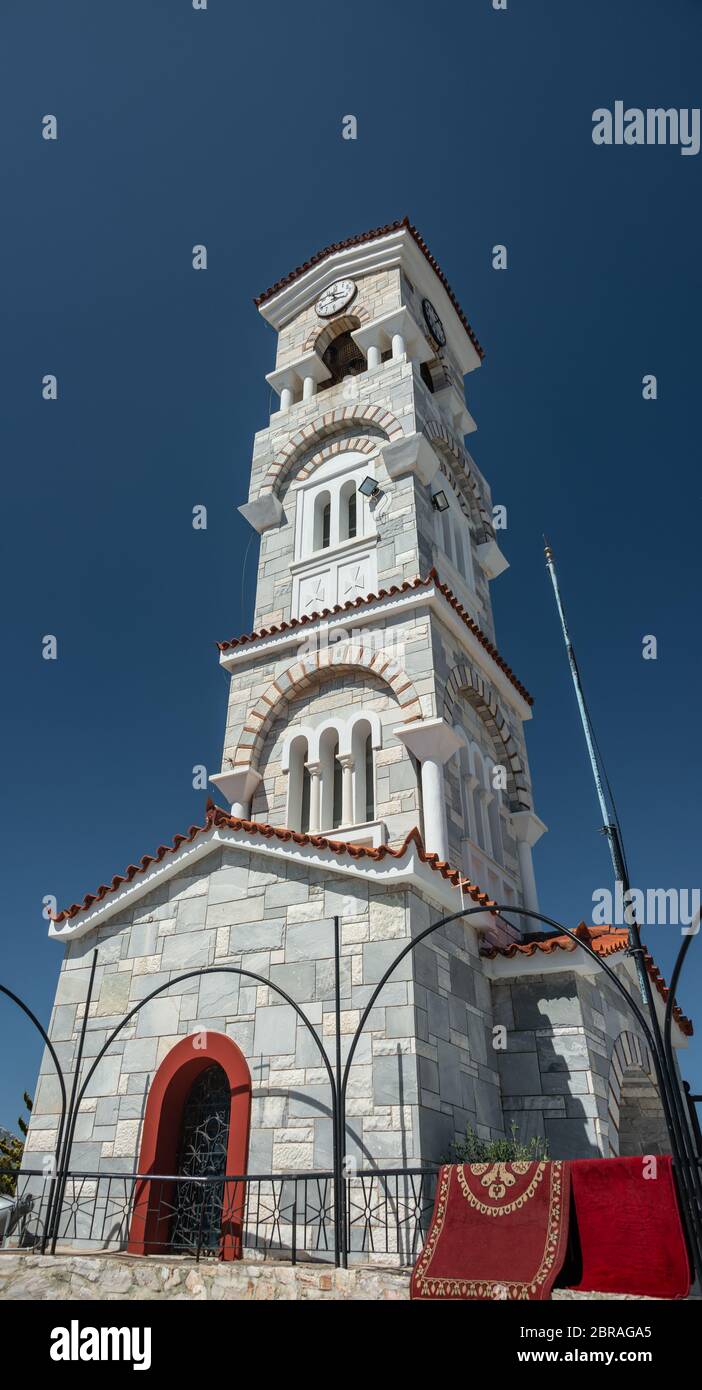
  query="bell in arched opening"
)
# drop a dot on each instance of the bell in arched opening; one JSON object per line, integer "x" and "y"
{"x": 343, "y": 358}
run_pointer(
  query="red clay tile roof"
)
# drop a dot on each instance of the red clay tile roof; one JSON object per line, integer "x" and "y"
{"x": 605, "y": 941}
{"x": 418, "y": 583}
{"x": 217, "y": 817}
{"x": 358, "y": 241}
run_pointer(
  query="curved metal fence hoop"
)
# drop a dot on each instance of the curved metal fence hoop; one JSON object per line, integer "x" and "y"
{"x": 471, "y": 912}
{"x": 10, "y": 994}
{"x": 689, "y": 1180}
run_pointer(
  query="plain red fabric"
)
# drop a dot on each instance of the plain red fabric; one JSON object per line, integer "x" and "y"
{"x": 498, "y": 1231}
{"x": 627, "y": 1232}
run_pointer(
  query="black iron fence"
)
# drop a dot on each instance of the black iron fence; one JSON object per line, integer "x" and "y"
{"x": 290, "y": 1216}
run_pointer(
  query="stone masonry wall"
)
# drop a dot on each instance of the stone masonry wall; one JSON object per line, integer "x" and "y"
{"x": 274, "y": 919}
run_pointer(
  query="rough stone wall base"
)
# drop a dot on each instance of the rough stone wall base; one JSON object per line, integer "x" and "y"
{"x": 111, "y": 1277}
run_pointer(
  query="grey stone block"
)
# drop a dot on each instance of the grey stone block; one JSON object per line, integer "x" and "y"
{"x": 519, "y": 1073}
{"x": 297, "y": 980}
{"x": 462, "y": 980}
{"x": 63, "y": 1022}
{"x": 256, "y": 936}
{"x": 569, "y": 1138}
{"x": 548, "y": 999}
{"x": 399, "y": 1022}
{"x": 188, "y": 949}
{"x": 142, "y": 939}
{"x": 325, "y": 982}
{"x": 428, "y": 1074}
{"x": 395, "y": 1080}
{"x": 140, "y": 1054}
{"x": 449, "y": 1073}
{"x": 274, "y": 1033}
{"x": 106, "y": 1077}
{"x": 218, "y": 996}
{"x": 377, "y": 956}
{"x": 438, "y": 1012}
{"x": 158, "y": 1018}
{"x": 569, "y": 1052}
{"x": 425, "y": 967}
{"x": 310, "y": 940}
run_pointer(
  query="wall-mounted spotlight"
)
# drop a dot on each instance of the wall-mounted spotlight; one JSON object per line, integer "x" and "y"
{"x": 439, "y": 501}
{"x": 369, "y": 488}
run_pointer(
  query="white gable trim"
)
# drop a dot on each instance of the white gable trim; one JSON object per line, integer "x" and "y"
{"x": 409, "y": 871}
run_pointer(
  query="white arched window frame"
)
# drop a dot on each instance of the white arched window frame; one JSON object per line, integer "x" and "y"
{"x": 362, "y": 736}
{"x": 453, "y": 536}
{"x": 478, "y": 798}
{"x": 493, "y": 809}
{"x": 334, "y": 484}
{"x": 294, "y": 763}
{"x": 342, "y": 756}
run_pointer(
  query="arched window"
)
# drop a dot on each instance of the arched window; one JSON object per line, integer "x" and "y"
{"x": 331, "y": 773}
{"x": 298, "y": 812}
{"x": 305, "y": 808}
{"x": 370, "y": 788}
{"x": 478, "y": 797}
{"x": 322, "y": 521}
{"x": 494, "y": 818}
{"x": 348, "y": 511}
{"x": 363, "y": 772}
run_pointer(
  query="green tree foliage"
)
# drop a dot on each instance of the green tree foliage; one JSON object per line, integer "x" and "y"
{"x": 11, "y": 1151}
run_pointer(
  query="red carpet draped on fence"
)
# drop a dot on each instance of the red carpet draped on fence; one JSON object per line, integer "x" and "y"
{"x": 498, "y": 1231}
{"x": 629, "y": 1236}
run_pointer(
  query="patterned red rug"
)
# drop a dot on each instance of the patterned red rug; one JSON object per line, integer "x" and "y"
{"x": 498, "y": 1231}
{"x": 626, "y": 1232}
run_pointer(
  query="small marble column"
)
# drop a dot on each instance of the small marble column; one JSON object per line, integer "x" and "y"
{"x": 315, "y": 771}
{"x": 347, "y": 763}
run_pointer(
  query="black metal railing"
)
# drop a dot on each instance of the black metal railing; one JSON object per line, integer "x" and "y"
{"x": 289, "y": 1216}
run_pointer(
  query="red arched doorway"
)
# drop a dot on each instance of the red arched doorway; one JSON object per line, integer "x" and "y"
{"x": 172, "y": 1085}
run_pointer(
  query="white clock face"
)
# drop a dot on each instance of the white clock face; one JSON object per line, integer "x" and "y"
{"x": 335, "y": 298}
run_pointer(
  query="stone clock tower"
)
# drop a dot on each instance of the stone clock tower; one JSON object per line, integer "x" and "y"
{"x": 373, "y": 601}
{"x": 375, "y": 772}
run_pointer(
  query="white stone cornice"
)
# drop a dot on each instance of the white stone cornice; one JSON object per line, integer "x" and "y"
{"x": 396, "y": 249}
{"x": 324, "y": 630}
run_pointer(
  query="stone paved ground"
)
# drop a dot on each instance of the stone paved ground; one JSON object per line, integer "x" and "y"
{"x": 97, "y": 1277}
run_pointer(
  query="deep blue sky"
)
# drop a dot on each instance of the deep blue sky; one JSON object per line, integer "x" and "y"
{"x": 224, "y": 127}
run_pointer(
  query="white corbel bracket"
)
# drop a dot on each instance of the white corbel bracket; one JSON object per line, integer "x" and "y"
{"x": 411, "y": 454}
{"x": 238, "y": 786}
{"x": 491, "y": 559}
{"x": 264, "y": 512}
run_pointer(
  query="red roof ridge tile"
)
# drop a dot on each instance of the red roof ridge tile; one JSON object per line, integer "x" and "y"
{"x": 431, "y": 577}
{"x": 216, "y": 816}
{"x": 605, "y": 941}
{"x": 359, "y": 240}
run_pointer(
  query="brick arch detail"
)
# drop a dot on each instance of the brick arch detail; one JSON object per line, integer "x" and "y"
{"x": 465, "y": 681}
{"x": 333, "y": 422}
{"x": 629, "y": 1051}
{"x": 303, "y": 675}
{"x": 345, "y": 444}
{"x": 445, "y": 444}
{"x": 320, "y": 338}
{"x": 158, "y": 1154}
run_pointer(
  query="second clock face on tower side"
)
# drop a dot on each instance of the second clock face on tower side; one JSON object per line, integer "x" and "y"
{"x": 335, "y": 298}
{"x": 433, "y": 322}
